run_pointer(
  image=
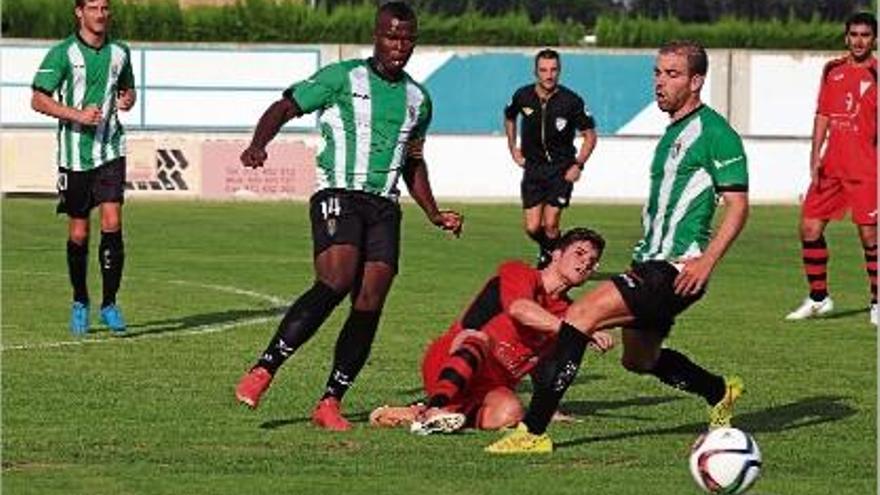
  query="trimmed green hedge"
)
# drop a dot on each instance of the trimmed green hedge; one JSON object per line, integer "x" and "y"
{"x": 291, "y": 21}
{"x": 286, "y": 21}
{"x": 726, "y": 33}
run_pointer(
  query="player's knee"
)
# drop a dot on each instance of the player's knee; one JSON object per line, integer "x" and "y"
{"x": 78, "y": 235}
{"x": 501, "y": 409}
{"x": 811, "y": 231}
{"x": 474, "y": 339}
{"x": 636, "y": 365}
{"x": 534, "y": 229}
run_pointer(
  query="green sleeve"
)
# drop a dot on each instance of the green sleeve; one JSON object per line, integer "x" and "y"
{"x": 729, "y": 167}
{"x": 53, "y": 69}
{"x": 318, "y": 91}
{"x": 126, "y": 78}
{"x": 426, "y": 112}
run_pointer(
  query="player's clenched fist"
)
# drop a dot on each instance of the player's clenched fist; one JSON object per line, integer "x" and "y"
{"x": 253, "y": 157}
{"x": 449, "y": 220}
{"x": 90, "y": 115}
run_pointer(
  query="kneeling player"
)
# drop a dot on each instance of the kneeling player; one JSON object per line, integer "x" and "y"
{"x": 470, "y": 373}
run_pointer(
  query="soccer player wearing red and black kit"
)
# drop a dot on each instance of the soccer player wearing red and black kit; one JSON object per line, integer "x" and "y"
{"x": 844, "y": 176}
{"x": 470, "y": 373}
{"x": 550, "y": 115}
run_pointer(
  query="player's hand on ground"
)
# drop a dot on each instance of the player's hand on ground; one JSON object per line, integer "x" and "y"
{"x": 518, "y": 157}
{"x": 90, "y": 115}
{"x": 573, "y": 174}
{"x": 125, "y": 99}
{"x": 693, "y": 276}
{"x": 601, "y": 341}
{"x": 450, "y": 221}
{"x": 253, "y": 157}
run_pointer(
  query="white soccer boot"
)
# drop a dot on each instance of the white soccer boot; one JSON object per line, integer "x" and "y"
{"x": 811, "y": 309}
{"x": 874, "y": 316}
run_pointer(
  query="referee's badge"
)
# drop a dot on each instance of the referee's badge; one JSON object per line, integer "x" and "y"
{"x": 527, "y": 111}
{"x": 560, "y": 123}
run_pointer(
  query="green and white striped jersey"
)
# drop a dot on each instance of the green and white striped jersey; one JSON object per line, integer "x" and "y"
{"x": 84, "y": 76}
{"x": 366, "y": 122}
{"x": 699, "y": 157}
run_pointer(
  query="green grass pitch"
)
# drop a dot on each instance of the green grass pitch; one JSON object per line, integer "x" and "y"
{"x": 153, "y": 413}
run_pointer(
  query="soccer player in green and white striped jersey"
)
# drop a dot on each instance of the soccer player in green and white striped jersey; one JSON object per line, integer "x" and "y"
{"x": 373, "y": 118}
{"x": 92, "y": 77}
{"x": 698, "y": 159}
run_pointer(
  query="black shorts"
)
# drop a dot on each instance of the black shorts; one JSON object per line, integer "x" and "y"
{"x": 649, "y": 292}
{"x": 79, "y": 192}
{"x": 368, "y": 221}
{"x": 545, "y": 184}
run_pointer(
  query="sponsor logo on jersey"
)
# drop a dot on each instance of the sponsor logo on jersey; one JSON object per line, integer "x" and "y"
{"x": 719, "y": 164}
{"x": 362, "y": 96}
{"x": 561, "y": 123}
{"x": 837, "y": 77}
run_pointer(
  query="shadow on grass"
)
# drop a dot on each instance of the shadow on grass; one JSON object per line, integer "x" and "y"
{"x": 598, "y": 408}
{"x": 274, "y": 424}
{"x": 804, "y": 413}
{"x": 199, "y": 321}
{"x": 846, "y": 313}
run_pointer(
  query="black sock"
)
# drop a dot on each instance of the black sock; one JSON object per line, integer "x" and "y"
{"x": 676, "y": 370}
{"x": 77, "y": 262}
{"x": 301, "y": 321}
{"x": 352, "y": 350}
{"x": 111, "y": 256}
{"x": 568, "y": 354}
{"x": 544, "y": 243}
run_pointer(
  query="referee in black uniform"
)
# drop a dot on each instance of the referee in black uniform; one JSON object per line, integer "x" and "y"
{"x": 551, "y": 113}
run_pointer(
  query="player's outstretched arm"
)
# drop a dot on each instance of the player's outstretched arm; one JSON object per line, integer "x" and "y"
{"x": 278, "y": 114}
{"x": 696, "y": 272}
{"x": 415, "y": 174}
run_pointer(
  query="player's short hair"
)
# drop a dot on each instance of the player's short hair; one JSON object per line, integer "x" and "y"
{"x": 862, "y": 19}
{"x": 548, "y": 53}
{"x": 579, "y": 234}
{"x": 698, "y": 61}
{"x": 397, "y": 10}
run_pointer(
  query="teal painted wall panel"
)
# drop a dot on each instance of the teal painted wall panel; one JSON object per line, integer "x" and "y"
{"x": 470, "y": 92}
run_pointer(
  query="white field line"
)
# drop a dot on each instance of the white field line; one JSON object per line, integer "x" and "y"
{"x": 200, "y": 330}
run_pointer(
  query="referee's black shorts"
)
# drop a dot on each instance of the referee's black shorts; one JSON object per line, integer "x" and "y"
{"x": 545, "y": 184}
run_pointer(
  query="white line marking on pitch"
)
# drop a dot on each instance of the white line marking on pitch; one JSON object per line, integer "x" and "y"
{"x": 200, "y": 330}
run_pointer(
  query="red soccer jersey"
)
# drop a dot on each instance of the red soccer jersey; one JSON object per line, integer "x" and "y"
{"x": 848, "y": 97}
{"x": 517, "y": 347}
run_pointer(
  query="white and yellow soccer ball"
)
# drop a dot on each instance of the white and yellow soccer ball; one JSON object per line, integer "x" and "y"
{"x": 725, "y": 460}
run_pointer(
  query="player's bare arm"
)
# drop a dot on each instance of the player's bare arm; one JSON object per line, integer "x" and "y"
{"x": 278, "y": 114}
{"x": 820, "y": 133}
{"x": 415, "y": 174}
{"x": 515, "y": 152}
{"x": 696, "y": 271}
{"x": 45, "y": 104}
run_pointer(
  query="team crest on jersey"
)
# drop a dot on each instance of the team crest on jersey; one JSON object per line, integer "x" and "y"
{"x": 560, "y": 123}
{"x": 528, "y": 111}
{"x": 332, "y": 227}
{"x": 411, "y": 110}
{"x": 676, "y": 149}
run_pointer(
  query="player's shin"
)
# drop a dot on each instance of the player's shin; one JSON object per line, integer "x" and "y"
{"x": 77, "y": 262}
{"x": 568, "y": 354}
{"x": 111, "y": 256}
{"x": 676, "y": 370}
{"x": 352, "y": 350}
{"x": 299, "y": 324}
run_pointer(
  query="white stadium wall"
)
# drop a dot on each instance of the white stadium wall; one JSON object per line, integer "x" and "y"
{"x": 198, "y": 104}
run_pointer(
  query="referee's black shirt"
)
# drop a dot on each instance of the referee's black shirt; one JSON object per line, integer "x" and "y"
{"x": 547, "y": 129}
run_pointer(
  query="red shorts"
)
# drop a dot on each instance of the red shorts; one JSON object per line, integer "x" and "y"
{"x": 829, "y": 198}
{"x": 490, "y": 376}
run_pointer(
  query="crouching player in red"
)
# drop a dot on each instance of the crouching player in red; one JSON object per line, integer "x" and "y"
{"x": 470, "y": 373}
